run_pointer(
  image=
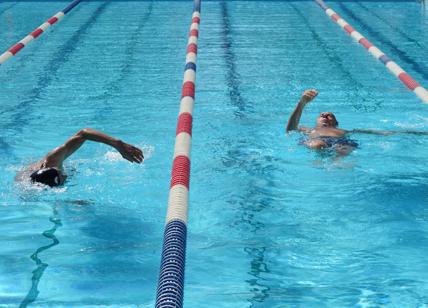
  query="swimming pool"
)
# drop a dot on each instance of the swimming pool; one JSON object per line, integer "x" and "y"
{"x": 271, "y": 224}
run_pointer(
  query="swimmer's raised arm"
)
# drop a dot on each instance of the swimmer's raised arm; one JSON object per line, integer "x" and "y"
{"x": 386, "y": 132}
{"x": 61, "y": 153}
{"x": 293, "y": 121}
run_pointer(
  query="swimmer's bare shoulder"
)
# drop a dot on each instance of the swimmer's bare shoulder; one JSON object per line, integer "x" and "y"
{"x": 326, "y": 132}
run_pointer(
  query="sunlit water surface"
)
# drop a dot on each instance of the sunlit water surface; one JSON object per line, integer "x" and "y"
{"x": 271, "y": 224}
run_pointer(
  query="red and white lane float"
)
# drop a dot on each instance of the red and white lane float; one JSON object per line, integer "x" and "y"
{"x": 405, "y": 78}
{"x": 171, "y": 276}
{"x": 37, "y": 32}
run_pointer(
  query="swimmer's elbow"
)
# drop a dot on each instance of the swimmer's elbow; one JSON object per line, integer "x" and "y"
{"x": 83, "y": 133}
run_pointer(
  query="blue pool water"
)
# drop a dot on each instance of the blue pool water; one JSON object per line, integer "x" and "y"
{"x": 271, "y": 224}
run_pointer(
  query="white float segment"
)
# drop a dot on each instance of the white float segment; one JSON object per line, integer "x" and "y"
{"x": 189, "y": 75}
{"x": 194, "y": 26}
{"x": 6, "y": 55}
{"x": 330, "y": 12}
{"x": 183, "y": 142}
{"x": 26, "y": 39}
{"x": 186, "y": 104}
{"x": 59, "y": 15}
{"x": 342, "y": 22}
{"x": 191, "y": 57}
{"x": 376, "y": 52}
{"x": 422, "y": 93}
{"x": 394, "y": 68}
{"x": 196, "y": 14}
{"x": 356, "y": 35}
{"x": 44, "y": 26}
{"x": 193, "y": 40}
{"x": 177, "y": 203}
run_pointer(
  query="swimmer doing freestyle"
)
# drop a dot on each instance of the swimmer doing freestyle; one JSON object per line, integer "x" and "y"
{"x": 326, "y": 134}
{"x": 49, "y": 169}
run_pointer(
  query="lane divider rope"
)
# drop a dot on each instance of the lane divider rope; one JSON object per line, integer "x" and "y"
{"x": 37, "y": 32}
{"x": 171, "y": 276}
{"x": 393, "y": 67}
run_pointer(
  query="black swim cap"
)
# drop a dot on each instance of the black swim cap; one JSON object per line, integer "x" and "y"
{"x": 47, "y": 176}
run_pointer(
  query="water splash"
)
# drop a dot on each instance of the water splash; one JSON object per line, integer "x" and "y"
{"x": 114, "y": 156}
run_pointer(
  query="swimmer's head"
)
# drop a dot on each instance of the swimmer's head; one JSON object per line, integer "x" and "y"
{"x": 48, "y": 176}
{"x": 327, "y": 119}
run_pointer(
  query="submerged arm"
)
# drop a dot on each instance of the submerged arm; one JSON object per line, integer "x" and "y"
{"x": 293, "y": 121}
{"x": 387, "y": 132}
{"x": 61, "y": 153}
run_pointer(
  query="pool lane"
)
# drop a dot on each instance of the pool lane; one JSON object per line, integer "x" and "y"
{"x": 12, "y": 51}
{"x": 18, "y": 114}
{"x": 147, "y": 92}
{"x": 395, "y": 28}
{"x": 379, "y": 37}
{"x": 3, "y": 10}
{"x": 405, "y": 78}
{"x": 266, "y": 222}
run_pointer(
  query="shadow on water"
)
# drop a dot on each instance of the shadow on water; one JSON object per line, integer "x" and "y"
{"x": 115, "y": 247}
{"x": 114, "y": 239}
{"x": 127, "y": 231}
{"x": 41, "y": 266}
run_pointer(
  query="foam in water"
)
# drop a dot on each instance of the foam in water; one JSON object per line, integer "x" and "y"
{"x": 114, "y": 155}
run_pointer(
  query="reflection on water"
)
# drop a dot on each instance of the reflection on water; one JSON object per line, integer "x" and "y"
{"x": 41, "y": 266}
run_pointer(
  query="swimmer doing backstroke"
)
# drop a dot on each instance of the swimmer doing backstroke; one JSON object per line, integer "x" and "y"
{"x": 326, "y": 134}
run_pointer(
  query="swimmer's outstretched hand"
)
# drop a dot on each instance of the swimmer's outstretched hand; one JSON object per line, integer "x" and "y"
{"x": 309, "y": 95}
{"x": 129, "y": 152}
